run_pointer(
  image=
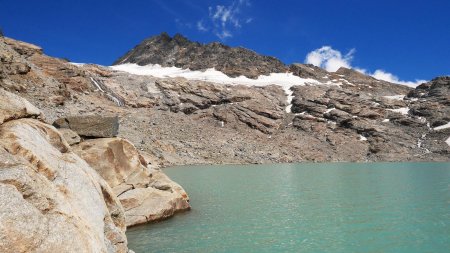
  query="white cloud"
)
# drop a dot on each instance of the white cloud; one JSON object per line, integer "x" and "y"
{"x": 201, "y": 27}
{"x": 330, "y": 59}
{"x": 227, "y": 19}
{"x": 389, "y": 77}
{"x": 224, "y": 34}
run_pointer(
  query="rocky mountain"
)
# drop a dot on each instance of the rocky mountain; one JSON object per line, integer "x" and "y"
{"x": 108, "y": 130}
{"x": 183, "y": 53}
{"x": 319, "y": 116}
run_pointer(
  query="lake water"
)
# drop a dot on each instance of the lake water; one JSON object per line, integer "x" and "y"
{"x": 340, "y": 207}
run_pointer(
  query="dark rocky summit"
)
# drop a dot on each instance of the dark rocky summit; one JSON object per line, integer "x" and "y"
{"x": 183, "y": 53}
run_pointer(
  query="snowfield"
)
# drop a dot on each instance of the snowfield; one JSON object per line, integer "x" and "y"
{"x": 395, "y": 97}
{"x": 442, "y": 127}
{"x": 403, "y": 110}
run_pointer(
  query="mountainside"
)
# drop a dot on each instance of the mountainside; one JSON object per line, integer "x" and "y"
{"x": 308, "y": 114}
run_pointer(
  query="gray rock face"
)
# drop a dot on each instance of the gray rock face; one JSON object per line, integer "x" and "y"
{"x": 260, "y": 109}
{"x": 90, "y": 126}
{"x": 308, "y": 71}
{"x": 433, "y": 101}
{"x": 183, "y": 53}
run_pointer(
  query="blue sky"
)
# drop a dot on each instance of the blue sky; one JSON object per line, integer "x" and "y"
{"x": 410, "y": 39}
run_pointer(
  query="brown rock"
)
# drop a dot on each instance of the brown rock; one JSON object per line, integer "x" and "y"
{"x": 146, "y": 194}
{"x": 70, "y": 136}
{"x": 15, "y": 107}
{"x": 57, "y": 100}
{"x": 23, "y": 48}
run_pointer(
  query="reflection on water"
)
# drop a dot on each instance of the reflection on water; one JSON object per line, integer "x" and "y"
{"x": 346, "y": 207}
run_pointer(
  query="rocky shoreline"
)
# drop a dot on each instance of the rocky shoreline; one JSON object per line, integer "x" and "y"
{"x": 86, "y": 192}
{"x": 82, "y": 145}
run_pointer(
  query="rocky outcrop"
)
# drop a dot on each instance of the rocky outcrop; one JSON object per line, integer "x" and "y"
{"x": 15, "y": 107}
{"x": 145, "y": 193}
{"x": 309, "y": 71}
{"x": 50, "y": 199}
{"x": 260, "y": 108}
{"x": 183, "y": 53}
{"x": 432, "y": 101}
{"x": 90, "y": 126}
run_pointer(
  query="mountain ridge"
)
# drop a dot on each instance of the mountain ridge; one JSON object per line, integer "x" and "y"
{"x": 180, "y": 52}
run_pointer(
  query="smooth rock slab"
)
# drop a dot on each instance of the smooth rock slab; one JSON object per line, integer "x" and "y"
{"x": 146, "y": 194}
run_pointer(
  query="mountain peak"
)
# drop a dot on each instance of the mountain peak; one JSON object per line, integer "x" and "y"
{"x": 181, "y": 52}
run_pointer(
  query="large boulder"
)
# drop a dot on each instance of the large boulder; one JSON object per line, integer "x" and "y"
{"x": 91, "y": 125}
{"x": 50, "y": 199}
{"x": 15, "y": 107}
{"x": 146, "y": 194}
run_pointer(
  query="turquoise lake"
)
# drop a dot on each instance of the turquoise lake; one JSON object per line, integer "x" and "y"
{"x": 328, "y": 207}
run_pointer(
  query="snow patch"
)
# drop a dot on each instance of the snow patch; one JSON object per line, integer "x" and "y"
{"x": 362, "y": 138}
{"x": 78, "y": 64}
{"x": 289, "y": 108}
{"x": 395, "y": 97}
{"x": 403, "y": 110}
{"x": 448, "y": 141}
{"x": 422, "y": 119}
{"x": 212, "y": 75}
{"x": 328, "y": 110}
{"x": 442, "y": 127}
{"x": 386, "y": 120}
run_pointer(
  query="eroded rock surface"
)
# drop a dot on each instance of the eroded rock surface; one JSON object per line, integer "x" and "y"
{"x": 145, "y": 193}
{"x": 50, "y": 199}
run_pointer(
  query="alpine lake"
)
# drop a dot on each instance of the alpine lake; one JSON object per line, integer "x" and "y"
{"x": 321, "y": 207}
